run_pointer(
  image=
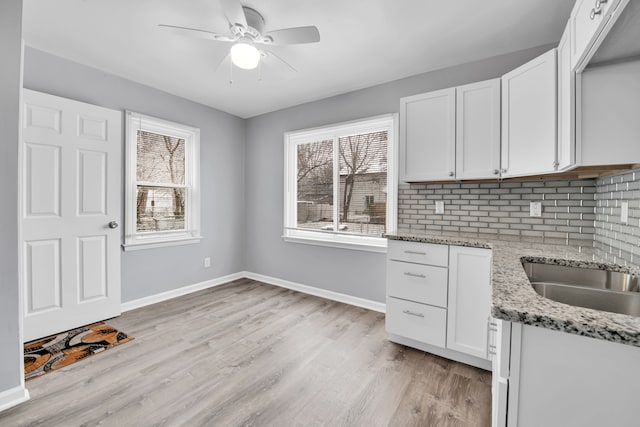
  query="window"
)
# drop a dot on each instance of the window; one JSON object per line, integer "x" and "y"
{"x": 340, "y": 185}
{"x": 162, "y": 195}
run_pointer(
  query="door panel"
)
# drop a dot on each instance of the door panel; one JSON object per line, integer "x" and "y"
{"x": 42, "y": 180}
{"x": 92, "y": 197}
{"x": 92, "y": 272}
{"x": 70, "y": 184}
{"x": 42, "y": 275}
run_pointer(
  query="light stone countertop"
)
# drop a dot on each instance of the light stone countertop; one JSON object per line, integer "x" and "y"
{"x": 513, "y": 297}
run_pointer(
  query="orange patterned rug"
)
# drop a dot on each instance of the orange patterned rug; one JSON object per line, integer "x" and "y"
{"x": 48, "y": 354}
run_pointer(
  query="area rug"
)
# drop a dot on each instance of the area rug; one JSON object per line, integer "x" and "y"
{"x": 48, "y": 354}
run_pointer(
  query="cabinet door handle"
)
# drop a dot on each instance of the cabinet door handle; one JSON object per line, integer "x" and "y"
{"x": 503, "y": 171}
{"x": 413, "y": 313}
{"x": 421, "y": 276}
{"x": 415, "y": 252}
{"x": 594, "y": 12}
{"x": 599, "y": 3}
{"x": 496, "y": 171}
{"x": 451, "y": 173}
{"x": 493, "y": 328}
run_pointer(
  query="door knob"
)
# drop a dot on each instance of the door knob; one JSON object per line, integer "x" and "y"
{"x": 113, "y": 224}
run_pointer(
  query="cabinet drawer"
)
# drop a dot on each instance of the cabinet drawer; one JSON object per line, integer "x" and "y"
{"x": 421, "y": 253}
{"x": 415, "y": 321}
{"x": 421, "y": 283}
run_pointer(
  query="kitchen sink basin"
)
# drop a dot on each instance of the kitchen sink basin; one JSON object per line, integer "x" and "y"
{"x": 586, "y": 287}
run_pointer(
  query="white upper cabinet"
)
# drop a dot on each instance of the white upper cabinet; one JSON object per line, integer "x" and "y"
{"x": 451, "y": 134}
{"x": 588, "y": 19}
{"x": 566, "y": 150}
{"x": 427, "y": 136}
{"x": 469, "y": 300}
{"x": 529, "y": 116}
{"x": 610, "y": 116}
{"x": 478, "y": 130}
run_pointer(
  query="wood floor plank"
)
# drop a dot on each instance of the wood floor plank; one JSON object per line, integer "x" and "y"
{"x": 248, "y": 353}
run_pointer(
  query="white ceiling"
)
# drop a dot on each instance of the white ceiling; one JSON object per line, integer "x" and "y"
{"x": 363, "y": 43}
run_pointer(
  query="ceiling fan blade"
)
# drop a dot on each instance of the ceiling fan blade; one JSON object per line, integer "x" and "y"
{"x": 197, "y": 33}
{"x": 269, "y": 56}
{"x": 296, "y": 35}
{"x": 232, "y": 10}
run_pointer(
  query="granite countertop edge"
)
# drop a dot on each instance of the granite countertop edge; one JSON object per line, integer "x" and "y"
{"x": 513, "y": 298}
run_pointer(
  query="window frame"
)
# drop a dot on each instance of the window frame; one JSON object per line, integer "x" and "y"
{"x": 291, "y": 233}
{"x": 134, "y": 240}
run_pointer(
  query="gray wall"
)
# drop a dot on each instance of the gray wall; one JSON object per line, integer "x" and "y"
{"x": 568, "y": 208}
{"x": 615, "y": 241}
{"x": 356, "y": 273}
{"x": 11, "y": 54}
{"x": 151, "y": 271}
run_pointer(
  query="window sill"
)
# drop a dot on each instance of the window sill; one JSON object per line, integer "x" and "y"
{"x": 368, "y": 244}
{"x": 160, "y": 244}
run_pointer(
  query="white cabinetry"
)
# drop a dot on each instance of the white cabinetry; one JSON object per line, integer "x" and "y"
{"x": 438, "y": 299}
{"x": 500, "y": 351}
{"x": 478, "y": 130}
{"x": 427, "y": 135}
{"x": 571, "y": 380}
{"x": 469, "y": 300}
{"x": 610, "y": 119}
{"x": 451, "y": 134}
{"x": 588, "y": 19}
{"x": 566, "y": 150}
{"x": 529, "y": 117}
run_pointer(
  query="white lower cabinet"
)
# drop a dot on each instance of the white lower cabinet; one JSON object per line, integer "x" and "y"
{"x": 469, "y": 300}
{"x": 442, "y": 308}
{"x": 419, "y": 322}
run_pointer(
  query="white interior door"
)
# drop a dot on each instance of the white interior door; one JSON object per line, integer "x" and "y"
{"x": 70, "y": 193}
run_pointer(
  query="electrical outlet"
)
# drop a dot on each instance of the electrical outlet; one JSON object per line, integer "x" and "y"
{"x": 535, "y": 209}
{"x": 439, "y": 207}
{"x": 207, "y": 262}
{"x": 624, "y": 212}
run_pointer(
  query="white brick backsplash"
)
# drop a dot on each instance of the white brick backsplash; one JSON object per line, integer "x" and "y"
{"x": 584, "y": 209}
{"x": 502, "y": 207}
{"x": 615, "y": 241}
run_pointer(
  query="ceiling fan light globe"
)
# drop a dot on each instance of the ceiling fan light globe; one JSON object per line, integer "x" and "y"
{"x": 245, "y": 56}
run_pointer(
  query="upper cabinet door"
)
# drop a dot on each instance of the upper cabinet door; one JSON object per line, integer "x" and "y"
{"x": 529, "y": 115}
{"x": 587, "y": 20}
{"x": 427, "y": 136}
{"x": 478, "y": 130}
{"x": 566, "y": 151}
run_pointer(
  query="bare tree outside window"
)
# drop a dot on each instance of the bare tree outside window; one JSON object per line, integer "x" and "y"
{"x": 363, "y": 161}
{"x": 160, "y": 172}
{"x": 315, "y": 184}
{"x": 362, "y": 186}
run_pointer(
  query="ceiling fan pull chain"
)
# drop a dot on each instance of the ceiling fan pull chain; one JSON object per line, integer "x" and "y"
{"x": 230, "y": 72}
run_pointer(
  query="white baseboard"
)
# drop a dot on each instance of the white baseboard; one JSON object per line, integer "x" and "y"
{"x": 319, "y": 292}
{"x": 174, "y": 293}
{"x": 13, "y": 397}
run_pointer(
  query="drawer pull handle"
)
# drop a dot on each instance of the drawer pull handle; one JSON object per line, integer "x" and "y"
{"x": 413, "y": 313}
{"x": 493, "y": 328}
{"x": 415, "y": 252}
{"x": 421, "y": 276}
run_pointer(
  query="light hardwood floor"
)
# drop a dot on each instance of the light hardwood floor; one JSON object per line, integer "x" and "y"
{"x": 248, "y": 353}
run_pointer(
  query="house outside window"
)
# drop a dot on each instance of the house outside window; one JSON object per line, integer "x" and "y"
{"x": 162, "y": 183}
{"x": 340, "y": 187}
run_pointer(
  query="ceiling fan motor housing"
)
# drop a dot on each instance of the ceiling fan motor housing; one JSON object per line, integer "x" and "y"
{"x": 254, "y": 28}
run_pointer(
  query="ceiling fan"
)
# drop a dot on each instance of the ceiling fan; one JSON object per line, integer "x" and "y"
{"x": 246, "y": 31}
